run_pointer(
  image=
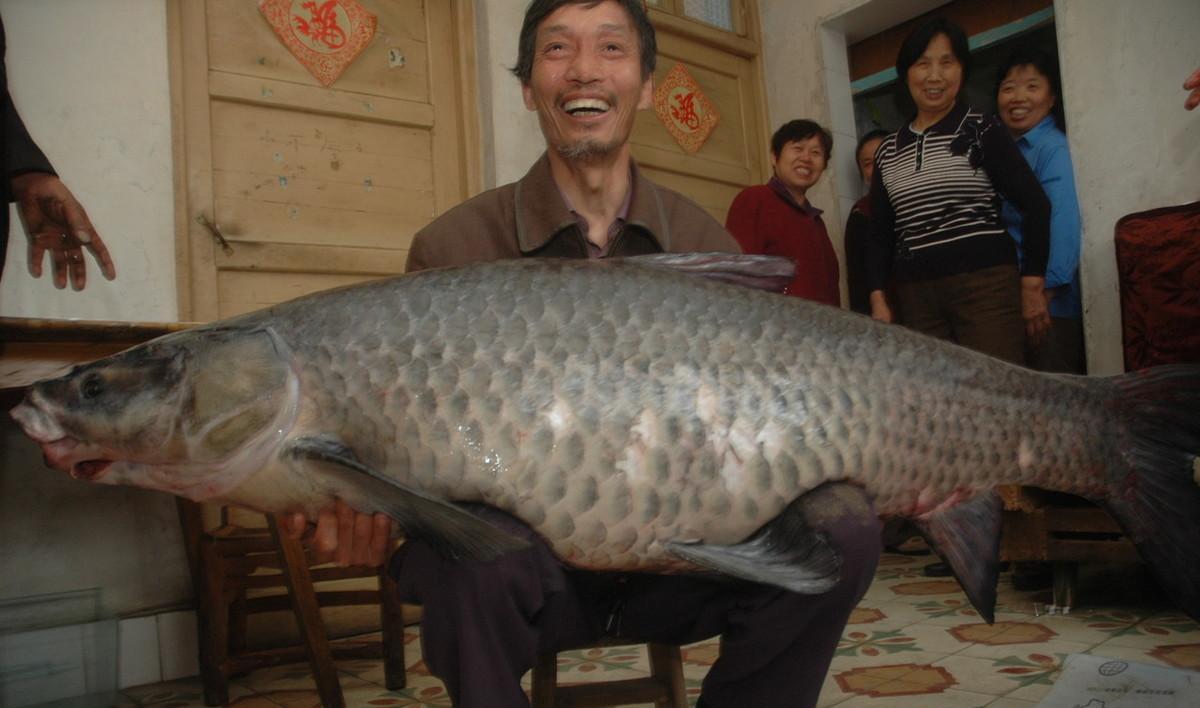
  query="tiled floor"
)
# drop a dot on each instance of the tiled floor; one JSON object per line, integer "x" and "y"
{"x": 913, "y": 642}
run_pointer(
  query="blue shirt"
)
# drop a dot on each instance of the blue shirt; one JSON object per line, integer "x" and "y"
{"x": 1045, "y": 149}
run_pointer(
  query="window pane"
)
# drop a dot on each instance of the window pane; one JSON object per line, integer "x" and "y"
{"x": 656, "y": 3}
{"x": 714, "y": 12}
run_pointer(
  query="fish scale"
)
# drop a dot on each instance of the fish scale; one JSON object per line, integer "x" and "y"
{"x": 636, "y": 417}
{"x": 733, "y": 366}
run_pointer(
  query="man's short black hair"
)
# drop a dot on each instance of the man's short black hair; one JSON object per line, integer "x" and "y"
{"x": 918, "y": 40}
{"x": 1046, "y": 65}
{"x": 801, "y": 129}
{"x": 541, "y": 9}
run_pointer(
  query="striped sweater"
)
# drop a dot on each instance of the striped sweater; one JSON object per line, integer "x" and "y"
{"x": 935, "y": 202}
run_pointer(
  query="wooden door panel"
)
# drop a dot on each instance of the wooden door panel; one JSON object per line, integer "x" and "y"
{"x": 291, "y": 177}
{"x": 714, "y": 196}
{"x": 247, "y": 45}
{"x": 239, "y": 292}
{"x": 314, "y": 187}
{"x": 733, "y": 155}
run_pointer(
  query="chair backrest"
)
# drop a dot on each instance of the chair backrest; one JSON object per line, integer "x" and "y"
{"x": 1158, "y": 263}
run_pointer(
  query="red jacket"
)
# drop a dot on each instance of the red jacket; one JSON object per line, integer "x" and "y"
{"x": 766, "y": 219}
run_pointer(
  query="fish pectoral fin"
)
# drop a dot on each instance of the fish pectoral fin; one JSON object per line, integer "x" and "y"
{"x": 451, "y": 531}
{"x": 754, "y": 271}
{"x": 967, "y": 537}
{"x": 786, "y": 552}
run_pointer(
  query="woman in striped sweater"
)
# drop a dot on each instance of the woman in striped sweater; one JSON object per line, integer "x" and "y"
{"x": 935, "y": 205}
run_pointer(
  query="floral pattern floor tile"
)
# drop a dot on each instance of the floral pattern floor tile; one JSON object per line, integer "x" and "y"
{"x": 912, "y": 641}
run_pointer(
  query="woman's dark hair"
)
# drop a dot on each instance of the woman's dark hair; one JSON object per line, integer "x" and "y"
{"x": 801, "y": 129}
{"x": 874, "y": 134}
{"x": 1046, "y": 65}
{"x": 915, "y": 44}
{"x": 541, "y": 9}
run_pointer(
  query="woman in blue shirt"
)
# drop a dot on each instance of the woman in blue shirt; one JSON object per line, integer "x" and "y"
{"x": 1028, "y": 103}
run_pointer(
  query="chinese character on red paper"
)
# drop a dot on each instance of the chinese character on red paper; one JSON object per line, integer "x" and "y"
{"x": 324, "y": 35}
{"x": 322, "y": 30}
{"x": 684, "y": 110}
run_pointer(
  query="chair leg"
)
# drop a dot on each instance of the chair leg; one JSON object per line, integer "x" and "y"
{"x": 544, "y": 680}
{"x": 213, "y": 628}
{"x": 666, "y": 665}
{"x": 392, "y": 620}
{"x": 308, "y": 616}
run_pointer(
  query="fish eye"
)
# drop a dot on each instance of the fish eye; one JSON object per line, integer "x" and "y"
{"x": 92, "y": 386}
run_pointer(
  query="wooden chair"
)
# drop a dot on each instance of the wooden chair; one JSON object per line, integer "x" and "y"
{"x": 228, "y": 561}
{"x": 664, "y": 687}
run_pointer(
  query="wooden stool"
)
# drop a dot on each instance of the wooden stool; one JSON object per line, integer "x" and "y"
{"x": 1063, "y": 530}
{"x": 664, "y": 687}
{"x": 228, "y": 561}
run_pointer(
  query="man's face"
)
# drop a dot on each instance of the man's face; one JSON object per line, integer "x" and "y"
{"x": 586, "y": 84}
{"x": 800, "y": 163}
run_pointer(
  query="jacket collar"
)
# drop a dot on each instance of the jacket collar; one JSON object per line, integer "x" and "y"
{"x": 1039, "y": 131}
{"x": 948, "y": 125}
{"x": 542, "y": 213}
{"x": 781, "y": 190}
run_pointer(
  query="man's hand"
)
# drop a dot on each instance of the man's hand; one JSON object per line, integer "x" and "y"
{"x": 879, "y": 307}
{"x": 1035, "y": 309}
{"x": 344, "y": 536}
{"x": 56, "y": 222}
{"x": 1192, "y": 84}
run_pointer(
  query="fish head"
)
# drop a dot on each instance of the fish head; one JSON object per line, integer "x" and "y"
{"x": 190, "y": 413}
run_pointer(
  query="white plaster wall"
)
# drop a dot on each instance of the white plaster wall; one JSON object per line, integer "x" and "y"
{"x": 511, "y": 138}
{"x": 1123, "y": 65}
{"x": 1133, "y": 144}
{"x": 90, "y": 80}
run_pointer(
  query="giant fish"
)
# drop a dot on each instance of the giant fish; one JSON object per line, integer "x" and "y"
{"x": 637, "y": 416}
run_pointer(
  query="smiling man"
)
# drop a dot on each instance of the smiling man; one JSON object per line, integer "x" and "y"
{"x": 586, "y": 68}
{"x": 777, "y": 219}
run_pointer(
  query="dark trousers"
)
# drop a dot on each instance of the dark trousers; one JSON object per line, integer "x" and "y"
{"x": 980, "y": 310}
{"x": 1063, "y": 350}
{"x": 484, "y": 623}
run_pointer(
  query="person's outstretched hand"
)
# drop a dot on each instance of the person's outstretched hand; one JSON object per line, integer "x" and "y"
{"x": 56, "y": 223}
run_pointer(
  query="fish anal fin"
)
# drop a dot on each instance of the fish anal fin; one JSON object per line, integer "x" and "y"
{"x": 451, "y": 531}
{"x": 786, "y": 552}
{"x": 967, "y": 537}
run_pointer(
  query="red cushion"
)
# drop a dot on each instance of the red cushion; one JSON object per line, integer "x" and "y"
{"x": 1158, "y": 263}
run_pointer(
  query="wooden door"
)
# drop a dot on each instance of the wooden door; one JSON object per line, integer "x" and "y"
{"x": 313, "y": 187}
{"x": 726, "y": 64}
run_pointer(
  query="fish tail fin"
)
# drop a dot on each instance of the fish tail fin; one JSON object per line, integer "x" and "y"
{"x": 1156, "y": 497}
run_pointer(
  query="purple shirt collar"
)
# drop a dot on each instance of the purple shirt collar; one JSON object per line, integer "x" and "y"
{"x": 781, "y": 189}
{"x": 614, "y": 228}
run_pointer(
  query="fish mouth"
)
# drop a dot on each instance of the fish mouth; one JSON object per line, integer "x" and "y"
{"x": 90, "y": 470}
{"x": 59, "y": 450}
{"x": 80, "y": 461}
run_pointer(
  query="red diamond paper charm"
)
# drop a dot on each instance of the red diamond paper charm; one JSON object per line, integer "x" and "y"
{"x": 684, "y": 109}
{"x": 324, "y": 35}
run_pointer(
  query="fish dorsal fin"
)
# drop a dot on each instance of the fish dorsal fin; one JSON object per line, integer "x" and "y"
{"x": 786, "y": 552}
{"x": 771, "y": 273}
{"x": 967, "y": 537}
{"x": 451, "y": 531}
